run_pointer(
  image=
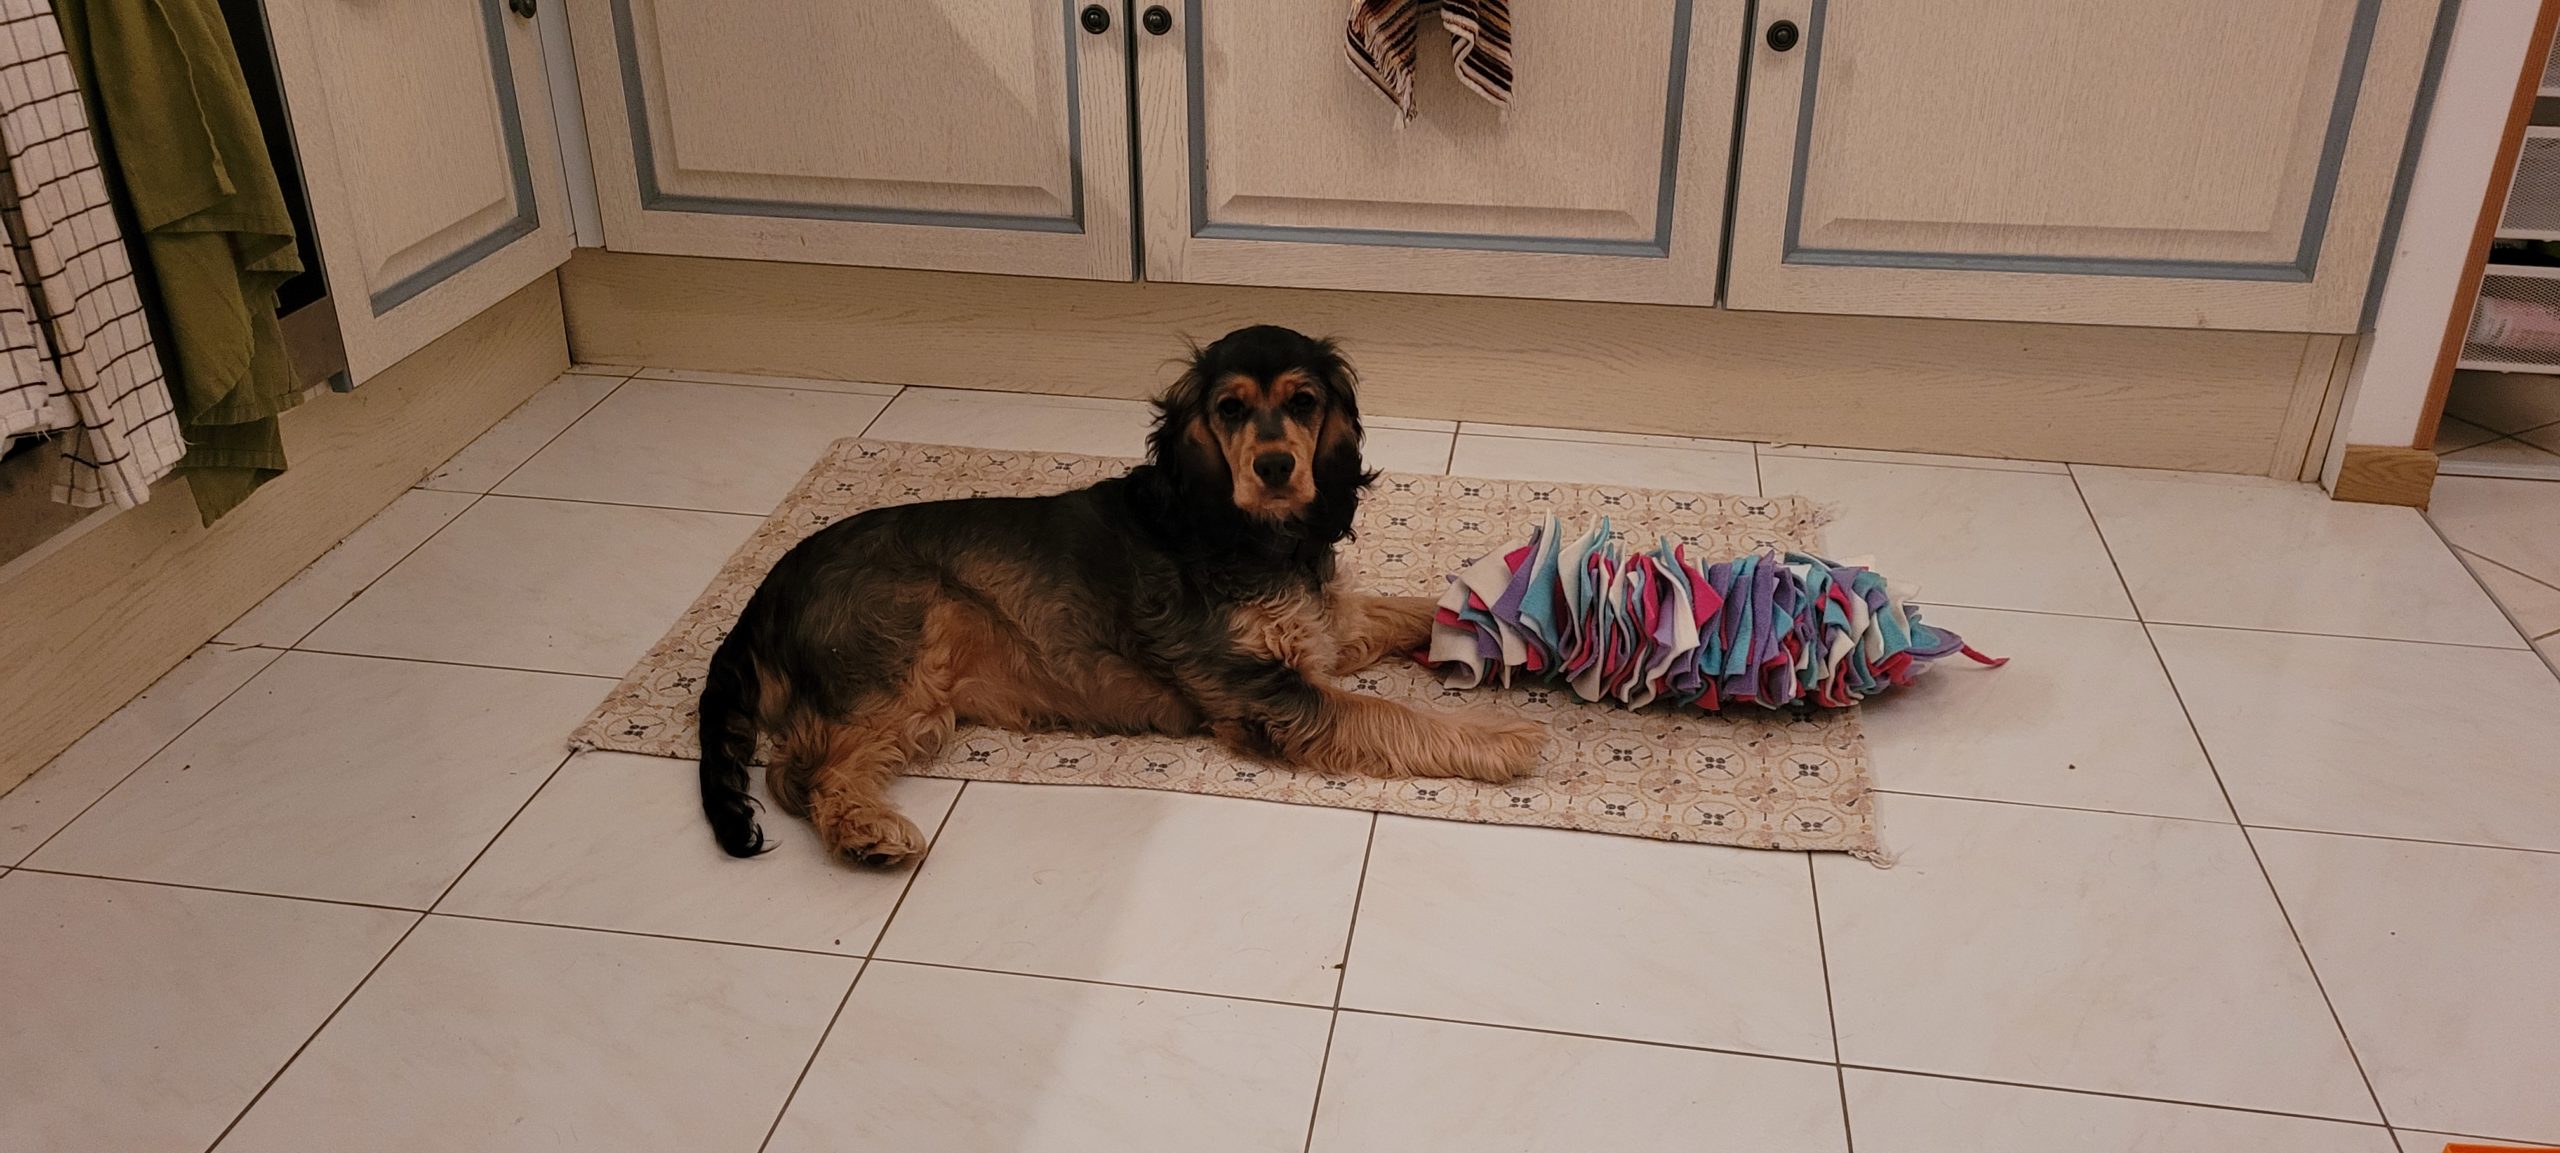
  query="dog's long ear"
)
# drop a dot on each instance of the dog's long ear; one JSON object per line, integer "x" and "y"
{"x": 1340, "y": 475}
{"x": 1181, "y": 445}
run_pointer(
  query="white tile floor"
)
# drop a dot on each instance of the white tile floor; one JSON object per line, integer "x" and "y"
{"x": 2256, "y": 846}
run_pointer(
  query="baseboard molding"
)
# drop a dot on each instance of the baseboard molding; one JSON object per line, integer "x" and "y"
{"x": 92, "y": 622}
{"x": 2244, "y": 402}
{"x": 2386, "y": 474}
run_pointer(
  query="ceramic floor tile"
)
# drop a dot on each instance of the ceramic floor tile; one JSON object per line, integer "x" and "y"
{"x": 2534, "y": 605}
{"x": 1879, "y": 456}
{"x": 342, "y": 778}
{"x": 2504, "y": 402}
{"x": 1907, "y": 1114}
{"x": 2082, "y": 716}
{"x": 2506, "y": 450}
{"x": 2439, "y": 959}
{"x": 2513, "y": 522}
{"x": 618, "y": 842}
{"x": 2257, "y": 553}
{"x": 540, "y": 584}
{"x": 1964, "y": 536}
{"x": 760, "y": 380}
{"x": 1551, "y": 929}
{"x": 1394, "y": 1083}
{"x": 512, "y": 441}
{"x": 2549, "y": 647}
{"x": 495, "y": 1038}
{"x": 2546, "y": 437}
{"x": 2077, "y": 950}
{"x": 1400, "y": 448}
{"x": 718, "y": 447}
{"x": 291, "y": 612}
{"x": 1711, "y": 466}
{"x": 42, "y": 804}
{"x": 143, "y": 1018}
{"x": 2436, "y": 742}
{"x": 2453, "y": 434}
{"x": 1208, "y": 894}
{"x": 1022, "y": 421}
{"x": 928, "y": 1060}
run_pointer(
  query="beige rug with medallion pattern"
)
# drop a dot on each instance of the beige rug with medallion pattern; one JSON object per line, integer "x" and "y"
{"x": 1754, "y": 779}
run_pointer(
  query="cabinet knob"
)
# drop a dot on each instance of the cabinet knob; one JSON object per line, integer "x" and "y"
{"x": 1156, "y": 20}
{"x": 1782, "y": 35}
{"x": 1097, "y": 19}
{"x": 522, "y": 8}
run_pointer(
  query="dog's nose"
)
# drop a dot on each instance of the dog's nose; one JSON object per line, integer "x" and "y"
{"x": 1274, "y": 467}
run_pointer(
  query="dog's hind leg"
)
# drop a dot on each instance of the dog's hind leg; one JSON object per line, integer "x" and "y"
{"x": 844, "y": 769}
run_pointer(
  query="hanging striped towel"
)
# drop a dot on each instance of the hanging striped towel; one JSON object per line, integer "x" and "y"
{"x": 70, "y": 313}
{"x": 1380, "y": 42}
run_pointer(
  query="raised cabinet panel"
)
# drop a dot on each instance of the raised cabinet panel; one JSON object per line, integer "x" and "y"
{"x": 971, "y": 135}
{"x": 430, "y": 160}
{"x": 1269, "y": 160}
{"x": 2154, "y": 162}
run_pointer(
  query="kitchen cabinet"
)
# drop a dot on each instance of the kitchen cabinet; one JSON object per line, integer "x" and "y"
{"x": 2153, "y": 162}
{"x": 429, "y": 161}
{"x": 1269, "y": 160}
{"x": 966, "y": 135}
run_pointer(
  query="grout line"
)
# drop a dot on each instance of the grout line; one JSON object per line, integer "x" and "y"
{"x": 1333, "y": 1020}
{"x": 616, "y": 679}
{"x": 220, "y": 889}
{"x": 812, "y": 1063}
{"x": 913, "y": 875}
{"x": 2491, "y": 561}
{"x": 554, "y": 438}
{"x": 298, "y": 1050}
{"x": 1931, "y": 602}
{"x": 147, "y": 758}
{"x": 1179, "y": 992}
{"x": 1759, "y": 478}
{"x": 2109, "y": 1093}
{"x": 2273, "y": 893}
{"x": 759, "y": 516}
{"x": 510, "y": 823}
{"x": 1830, "y": 1006}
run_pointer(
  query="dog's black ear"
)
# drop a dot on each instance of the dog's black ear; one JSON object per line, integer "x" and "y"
{"x": 1340, "y": 474}
{"x": 1180, "y": 446}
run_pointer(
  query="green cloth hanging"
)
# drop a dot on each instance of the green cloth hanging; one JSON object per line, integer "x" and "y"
{"x": 182, "y": 136}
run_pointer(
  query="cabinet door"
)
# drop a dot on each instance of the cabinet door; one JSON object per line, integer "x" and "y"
{"x": 429, "y": 159}
{"x": 2195, "y": 163}
{"x": 971, "y": 135}
{"x": 1270, "y": 160}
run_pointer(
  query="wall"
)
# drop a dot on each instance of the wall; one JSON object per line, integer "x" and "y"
{"x": 2387, "y": 388}
{"x": 97, "y": 614}
{"x": 2245, "y": 402}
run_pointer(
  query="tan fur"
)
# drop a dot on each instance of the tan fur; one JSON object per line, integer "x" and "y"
{"x": 1368, "y": 629}
{"x": 1350, "y": 733}
{"x": 1243, "y": 443}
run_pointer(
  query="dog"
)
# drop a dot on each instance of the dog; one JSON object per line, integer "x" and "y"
{"x": 1196, "y": 595}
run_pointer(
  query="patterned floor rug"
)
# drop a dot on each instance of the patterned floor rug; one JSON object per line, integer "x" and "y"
{"x": 1752, "y": 779}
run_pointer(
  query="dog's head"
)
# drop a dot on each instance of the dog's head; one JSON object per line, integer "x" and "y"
{"x": 1265, "y": 419}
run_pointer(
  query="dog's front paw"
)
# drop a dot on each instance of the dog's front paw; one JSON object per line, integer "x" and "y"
{"x": 1500, "y": 748}
{"x": 875, "y": 836}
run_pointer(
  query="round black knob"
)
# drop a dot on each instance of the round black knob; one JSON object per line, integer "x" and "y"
{"x": 522, "y": 8}
{"x": 1097, "y": 19}
{"x": 1782, "y": 35}
{"x": 1156, "y": 20}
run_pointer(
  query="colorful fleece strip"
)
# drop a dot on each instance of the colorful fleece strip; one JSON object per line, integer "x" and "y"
{"x": 1773, "y": 630}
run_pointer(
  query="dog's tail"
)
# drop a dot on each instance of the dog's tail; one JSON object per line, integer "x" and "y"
{"x": 728, "y": 723}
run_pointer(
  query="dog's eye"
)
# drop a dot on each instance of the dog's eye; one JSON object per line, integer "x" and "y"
{"x": 1231, "y": 409}
{"x": 1303, "y": 402}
